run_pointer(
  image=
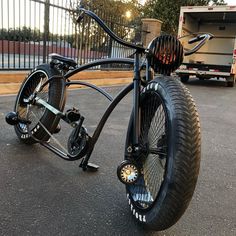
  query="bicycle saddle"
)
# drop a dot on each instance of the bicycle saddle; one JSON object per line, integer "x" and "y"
{"x": 66, "y": 60}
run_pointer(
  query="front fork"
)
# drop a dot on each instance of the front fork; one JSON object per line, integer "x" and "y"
{"x": 136, "y": 98}
{"x": 135, "y": 147}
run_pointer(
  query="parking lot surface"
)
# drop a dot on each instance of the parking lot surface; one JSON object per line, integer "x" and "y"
{"x": 44, "y": 195}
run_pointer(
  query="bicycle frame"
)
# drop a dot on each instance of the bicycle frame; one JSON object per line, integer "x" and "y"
{"x": 135, "y": 86}
{"x": 113, "y": 103}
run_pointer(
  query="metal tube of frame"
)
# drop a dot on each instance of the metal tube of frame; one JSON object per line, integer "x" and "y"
{"x": 107, "y": 113}
{"x": 127, "y": 61}
{"x": 148, "y": 70}
{"x": 136, "y": 94}
{"x": 100, "y": 90}
{"x": 102, "y": 122}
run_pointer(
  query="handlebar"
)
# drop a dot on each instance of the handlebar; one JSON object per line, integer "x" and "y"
{"x": 203, "y": 38}
{"x": 107, "y": 30}
{"x": 80, "y": 17}
{"x": 196, "y": 39}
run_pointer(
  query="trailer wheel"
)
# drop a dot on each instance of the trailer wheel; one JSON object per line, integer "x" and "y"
{"x": 231, "y": 81}
{"x": 184, "y": 78}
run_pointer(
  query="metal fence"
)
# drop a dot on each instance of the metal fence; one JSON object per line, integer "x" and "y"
{"x": 32, "y": 29}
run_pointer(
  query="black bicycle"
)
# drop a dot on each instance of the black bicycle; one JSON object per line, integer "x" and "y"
{"x": 162, "y": 151}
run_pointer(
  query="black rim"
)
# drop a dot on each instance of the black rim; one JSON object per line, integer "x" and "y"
{"x": 153, "y": 158}
{"x": 32, "y": 112}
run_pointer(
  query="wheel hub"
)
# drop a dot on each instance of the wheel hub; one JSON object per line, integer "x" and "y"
{"x": 128, "y": 172}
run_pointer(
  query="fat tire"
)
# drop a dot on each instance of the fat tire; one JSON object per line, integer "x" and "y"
{"x": 56, "y": 98}
{"x": 183, "y": 160}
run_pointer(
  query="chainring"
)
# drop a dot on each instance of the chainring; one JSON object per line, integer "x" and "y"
{"x": 77, "y": 146}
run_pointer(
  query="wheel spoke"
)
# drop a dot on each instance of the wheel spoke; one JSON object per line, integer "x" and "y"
{"x": 153, "y": 140}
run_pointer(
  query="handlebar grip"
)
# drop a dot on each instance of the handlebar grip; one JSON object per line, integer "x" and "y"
{"x": 203, "y": 39}
{"x": 196, "y": 39}
{"x": 80, "y": 17}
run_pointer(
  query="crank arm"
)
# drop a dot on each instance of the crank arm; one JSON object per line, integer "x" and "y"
{"x": 78, "y": 127}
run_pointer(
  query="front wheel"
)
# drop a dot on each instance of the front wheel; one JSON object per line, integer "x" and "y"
{"x": 169, "y": 157}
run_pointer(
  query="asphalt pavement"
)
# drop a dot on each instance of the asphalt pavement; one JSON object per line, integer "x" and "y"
{"x": 41, "y": 194}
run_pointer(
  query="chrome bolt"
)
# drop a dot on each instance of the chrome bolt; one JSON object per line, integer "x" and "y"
{"x": 129, "y": 149}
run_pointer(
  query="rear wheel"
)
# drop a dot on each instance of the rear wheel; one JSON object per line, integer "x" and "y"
{"x": 169, "y": 157}
{"x": 41, "y": 120}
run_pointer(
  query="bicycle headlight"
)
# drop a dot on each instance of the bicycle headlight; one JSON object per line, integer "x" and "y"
{"x": 167, "y": 54}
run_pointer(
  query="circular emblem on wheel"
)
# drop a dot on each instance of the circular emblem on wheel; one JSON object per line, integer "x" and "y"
{"x": 127, "y": 172}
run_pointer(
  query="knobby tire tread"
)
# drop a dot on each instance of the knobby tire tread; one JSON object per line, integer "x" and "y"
{"x": 186, "y": 157}
{"x": 187, "y": 160}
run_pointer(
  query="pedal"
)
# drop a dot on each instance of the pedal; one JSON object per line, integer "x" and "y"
{"x": 88, "y": 166}
{"x": 92, "y": 167}
{"x": 73, "y": 115}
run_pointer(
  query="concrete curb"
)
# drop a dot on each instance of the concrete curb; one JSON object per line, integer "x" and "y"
{"x": 10, "y": 82}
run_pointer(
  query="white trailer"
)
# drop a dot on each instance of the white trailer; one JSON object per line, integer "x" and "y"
{"x": 217, "y": 58}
